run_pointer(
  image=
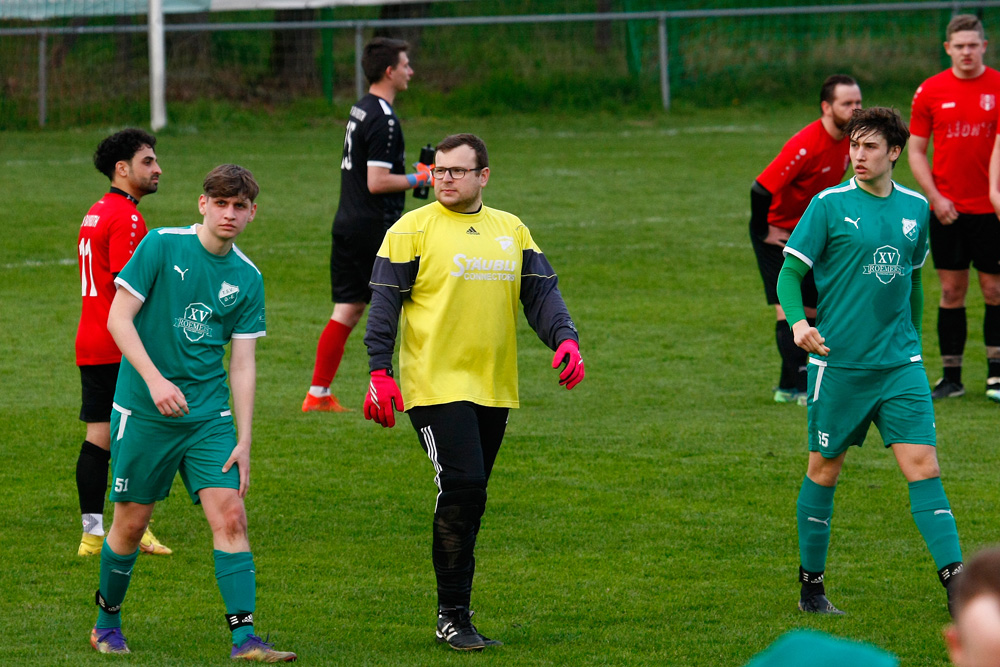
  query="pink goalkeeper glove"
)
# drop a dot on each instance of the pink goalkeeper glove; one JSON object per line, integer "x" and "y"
{"x": 568, "y": 353}
{"x": 422, "y": 176}
{"x": 382, "y": 395}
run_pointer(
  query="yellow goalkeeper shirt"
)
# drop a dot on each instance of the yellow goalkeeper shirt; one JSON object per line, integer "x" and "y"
{"x": 457, "y": 279}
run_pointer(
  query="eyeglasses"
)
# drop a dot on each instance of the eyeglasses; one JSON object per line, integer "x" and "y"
{"x": 457, "y": 173}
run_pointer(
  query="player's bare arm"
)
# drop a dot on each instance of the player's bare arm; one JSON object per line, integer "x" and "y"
{"x": 381, "y": 181}
{"x": 995, "y": 175}
{"x": 809, "y": 338}
{"x": 169, "y": 400}
{"x": 920, "y": 165}
{"x": 243, "y": 381}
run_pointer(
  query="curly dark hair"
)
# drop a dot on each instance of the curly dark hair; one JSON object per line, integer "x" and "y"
{"x": 121, "y": 146}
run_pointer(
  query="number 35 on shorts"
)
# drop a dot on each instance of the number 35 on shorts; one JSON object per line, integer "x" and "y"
{"x": 824, "y": 441}
{"x": 121, "y": 484}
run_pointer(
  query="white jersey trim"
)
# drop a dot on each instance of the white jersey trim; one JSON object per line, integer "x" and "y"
{"x": 133, "y": 291}
{"x": 847, "y": 187}
{"x": 916, "y": 358}
{"x": 385, "y": 106}
{"x": 239, "y": 253}
{"x": 793, "y": 251}
{"x": 256, "y": 334}
{"x": 178, "y": 230}
{"x": 923, "y": 261}
{"x": 226, "y": 413}
{"x": 908, "y": 191}
{"x": 379, "y": 163}
{"x": 817, "y": 362}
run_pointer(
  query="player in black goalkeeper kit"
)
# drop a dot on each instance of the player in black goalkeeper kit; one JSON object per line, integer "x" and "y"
{"x": 457, "y": 269}
{"x": 373, "y": 185}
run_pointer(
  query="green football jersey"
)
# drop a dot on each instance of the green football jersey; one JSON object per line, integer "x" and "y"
{"x": 863, "y": 250}
{"x": 193, "y": 303}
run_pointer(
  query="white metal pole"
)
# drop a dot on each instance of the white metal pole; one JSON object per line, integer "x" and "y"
{"x": 359, "y": 75}
{"x": 664, "y": 64}
{"x": 43, "y": 77}
{"x": 157, "y": 67}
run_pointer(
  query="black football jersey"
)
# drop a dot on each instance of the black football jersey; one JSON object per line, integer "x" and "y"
{"x": 374, "y": 138}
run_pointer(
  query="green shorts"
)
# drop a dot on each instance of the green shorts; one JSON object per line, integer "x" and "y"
{"x": 843, "y": 403}
{"x": 146, "y": 454}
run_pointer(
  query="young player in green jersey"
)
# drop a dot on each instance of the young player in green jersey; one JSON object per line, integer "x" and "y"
{"x": 189, "y": 292}
{"x": 865, "y": 241}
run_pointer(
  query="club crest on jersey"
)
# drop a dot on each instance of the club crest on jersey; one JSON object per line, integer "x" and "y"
{"x": 228, "y": 294}
{"x": 885, "y": 264}
{"x": 506, "y": 244}
{"x": 910, "y": 229}
{"x": 988, "y": 101}
{"x": 196, "y": 322}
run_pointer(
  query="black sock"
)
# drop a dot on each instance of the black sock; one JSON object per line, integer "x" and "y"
{"x": 812, "y": 583}
{"x": 952, "y": 332}
{"x": 92, "y": 478}
{"x": 949, "y": 573}
{"x": 793, "y": 358}
{"x": 991, "y": 336}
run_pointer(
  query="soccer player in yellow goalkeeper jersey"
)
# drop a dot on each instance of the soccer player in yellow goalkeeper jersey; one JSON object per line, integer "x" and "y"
{"x": 456, "y": 270}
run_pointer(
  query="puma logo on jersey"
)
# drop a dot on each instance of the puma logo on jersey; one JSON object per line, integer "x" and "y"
{"x": 825, "y": 523}
{"x": 178, "y": 270}
{"x": 853, "y": 222}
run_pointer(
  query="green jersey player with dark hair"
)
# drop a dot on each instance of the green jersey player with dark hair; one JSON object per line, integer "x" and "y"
{"x": 189, "y": 293}
{"x": 865, "y": 241}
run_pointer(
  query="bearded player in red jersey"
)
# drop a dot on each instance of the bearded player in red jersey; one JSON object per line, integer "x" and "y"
{"x": 814, "y": 159}
{"x": 959, "y": 108}
{"x": 109, "y": 234}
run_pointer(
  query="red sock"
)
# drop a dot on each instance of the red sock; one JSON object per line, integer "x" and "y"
{"x": 329, "y": 352}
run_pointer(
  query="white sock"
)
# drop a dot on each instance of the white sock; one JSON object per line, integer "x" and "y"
{"x": 93, "y": 524}
{"x": 319, "y": 392}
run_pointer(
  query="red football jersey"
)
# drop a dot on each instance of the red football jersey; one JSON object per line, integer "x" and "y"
{"x": 109, "y": 234}
{"x": 962, "y": 116}
{"x": 810, "y": 162}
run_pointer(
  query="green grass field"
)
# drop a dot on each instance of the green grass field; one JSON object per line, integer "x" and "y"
{"x": 645, "y": 518}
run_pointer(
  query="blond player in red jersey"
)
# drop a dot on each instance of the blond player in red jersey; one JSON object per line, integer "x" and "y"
{"x": 109, "y": 234}
{"x": 959, "y": 108}
{"x": 811, "y": 161}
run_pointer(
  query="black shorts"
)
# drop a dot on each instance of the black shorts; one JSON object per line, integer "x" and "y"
{"x": 971, "y": 238}
{"x": 769, "y": 261}
{"x": 461, "y": 439}
{"x": 98, "y": 383}
{"x": 352, "y": 256}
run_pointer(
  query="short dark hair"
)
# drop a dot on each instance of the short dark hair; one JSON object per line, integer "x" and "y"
{"x": 829, "y": 90}
{"x": 980, "y": 576}
{"x": 231, "y": 180}
{"x": 883, "y": 120}
{"x": 963, "y": 22}
{"x": 453, "y": 141}
{"x": 121, "y": 146}
{"x": 380, "y": 53}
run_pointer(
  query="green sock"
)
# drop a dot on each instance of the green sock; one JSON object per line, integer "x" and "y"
{"x": 238, "y": 585}
{"x": 116, "y": 573}
{"x": 814, "y": 512}
{"x": 932, "y": 514}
